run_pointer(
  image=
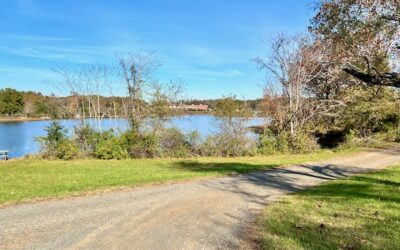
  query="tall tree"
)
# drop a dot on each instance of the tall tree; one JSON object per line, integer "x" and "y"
{"x": 294, "y": 62}
{"x": 363, "y": 36}
{"x": 137, "y": 69}
{"x": 147, "y": 97}
{"x": 11, "y": 101}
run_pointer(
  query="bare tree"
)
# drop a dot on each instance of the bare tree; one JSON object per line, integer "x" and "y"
{"x": 96, "y": 80}
{"x": 137, "y": 70}
{"x": 85, "y": 85}
{"x": 149, "y": 101}
{"x": 293, "y": 63}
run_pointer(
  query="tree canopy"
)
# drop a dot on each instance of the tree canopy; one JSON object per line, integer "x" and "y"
{"x": 363, "y": 36}
{"x": 11, "y": 101}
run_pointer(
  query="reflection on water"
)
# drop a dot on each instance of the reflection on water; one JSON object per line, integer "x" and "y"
{"x": 19, "y": 137}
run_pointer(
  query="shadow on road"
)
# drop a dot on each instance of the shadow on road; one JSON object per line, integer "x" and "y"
{"x": 261, "y": 186}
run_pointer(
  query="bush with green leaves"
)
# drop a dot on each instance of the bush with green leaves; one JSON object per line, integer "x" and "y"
{"x": 370, "y": 111}
{"x": 271, "y": 143}
{"x": 111, "y": 148}
{"x": 140, "y": 145}
{"x": 169, "y": 142}
{"x": 392, "y": 135}
{"x": 268, "y": 143}
{"x": 303, "y": 143}
{"x": 86, "y": 137}
{"x": 396, "y": 137}
{"x": 350, "y": 141}
{"x": 354, "y": 140}
{"x": 55, "y": 134}
{"x": 67, "y": 150}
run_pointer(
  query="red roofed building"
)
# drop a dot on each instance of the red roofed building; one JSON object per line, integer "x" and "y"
{"x": 192, "y": 107}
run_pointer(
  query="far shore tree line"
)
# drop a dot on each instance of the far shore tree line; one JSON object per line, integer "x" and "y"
{"x": 336, "y": 86}
{"x": 30, "y": 104}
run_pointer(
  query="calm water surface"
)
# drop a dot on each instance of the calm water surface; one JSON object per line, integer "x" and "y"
{"x": 19, "y": 137}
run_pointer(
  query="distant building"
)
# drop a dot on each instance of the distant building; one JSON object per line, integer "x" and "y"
{"x": 191, "y": 107}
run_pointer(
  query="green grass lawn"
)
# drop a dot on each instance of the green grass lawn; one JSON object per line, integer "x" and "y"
{"x": 30, "y": 179}
{"x": 361, "y": 212}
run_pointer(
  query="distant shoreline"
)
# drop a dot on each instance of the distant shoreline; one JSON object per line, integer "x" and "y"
{"x": 29, "y": 119}
{"x": 23, "y": 119}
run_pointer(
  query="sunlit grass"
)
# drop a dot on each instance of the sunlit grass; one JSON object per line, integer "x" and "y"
{"x": 361, "y": 212}
{"x": 30, "y": 179}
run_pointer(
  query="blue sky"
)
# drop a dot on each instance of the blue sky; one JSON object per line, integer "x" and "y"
{"x": 208, "y": 44}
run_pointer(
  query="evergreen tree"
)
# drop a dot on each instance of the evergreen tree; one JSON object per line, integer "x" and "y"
{"x": 11, "y": 101}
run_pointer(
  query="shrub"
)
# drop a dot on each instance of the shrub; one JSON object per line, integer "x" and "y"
{"x": 210, "y": 147}
{"x": 232, "y": 116}
{"x": 228, "y": 146}
{"x": 111, "y": 148}
{"x": 86, "y": 138}
{"x": 283, "y": 143}
{"x": 393, "y": 135}
{"x": 303, "y": 143}
{"x": 235, "y": 146}
{"x": 268, "y": 143}
{"x": 67, "y": 150}
{"x": 350, "y": 141}
{"x": 354, "y": 141}
{"x": 397, "y": 134}
{"x": 173, "y": 143}
{"x": 55, "y": 134}
{"x": 370, "y": 111}
{"x": 195, "y": 142}
{"x": 140, "y": 145}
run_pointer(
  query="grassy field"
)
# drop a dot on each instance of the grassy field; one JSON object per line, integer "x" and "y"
{"x": 361, "y": 212}
{"x": 31, "y": 179}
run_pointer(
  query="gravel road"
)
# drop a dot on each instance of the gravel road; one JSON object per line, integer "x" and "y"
{"x": 205, "y": 214}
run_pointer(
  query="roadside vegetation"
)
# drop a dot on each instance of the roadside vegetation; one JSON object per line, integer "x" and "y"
{"x": 336, "y": 86}
{"x": 348, "y": 95}
{"x": 32, "y": 179}
{"x": 330, "y": 90}
{"x": 360, "y": 212}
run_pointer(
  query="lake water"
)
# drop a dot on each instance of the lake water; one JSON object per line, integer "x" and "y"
{"x": 19, "y": 137}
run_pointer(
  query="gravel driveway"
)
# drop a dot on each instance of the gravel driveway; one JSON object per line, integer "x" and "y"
{"x": 205, "y": 214}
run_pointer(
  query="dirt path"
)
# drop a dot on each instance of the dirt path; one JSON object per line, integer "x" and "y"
{"x": 207, "y": 214}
